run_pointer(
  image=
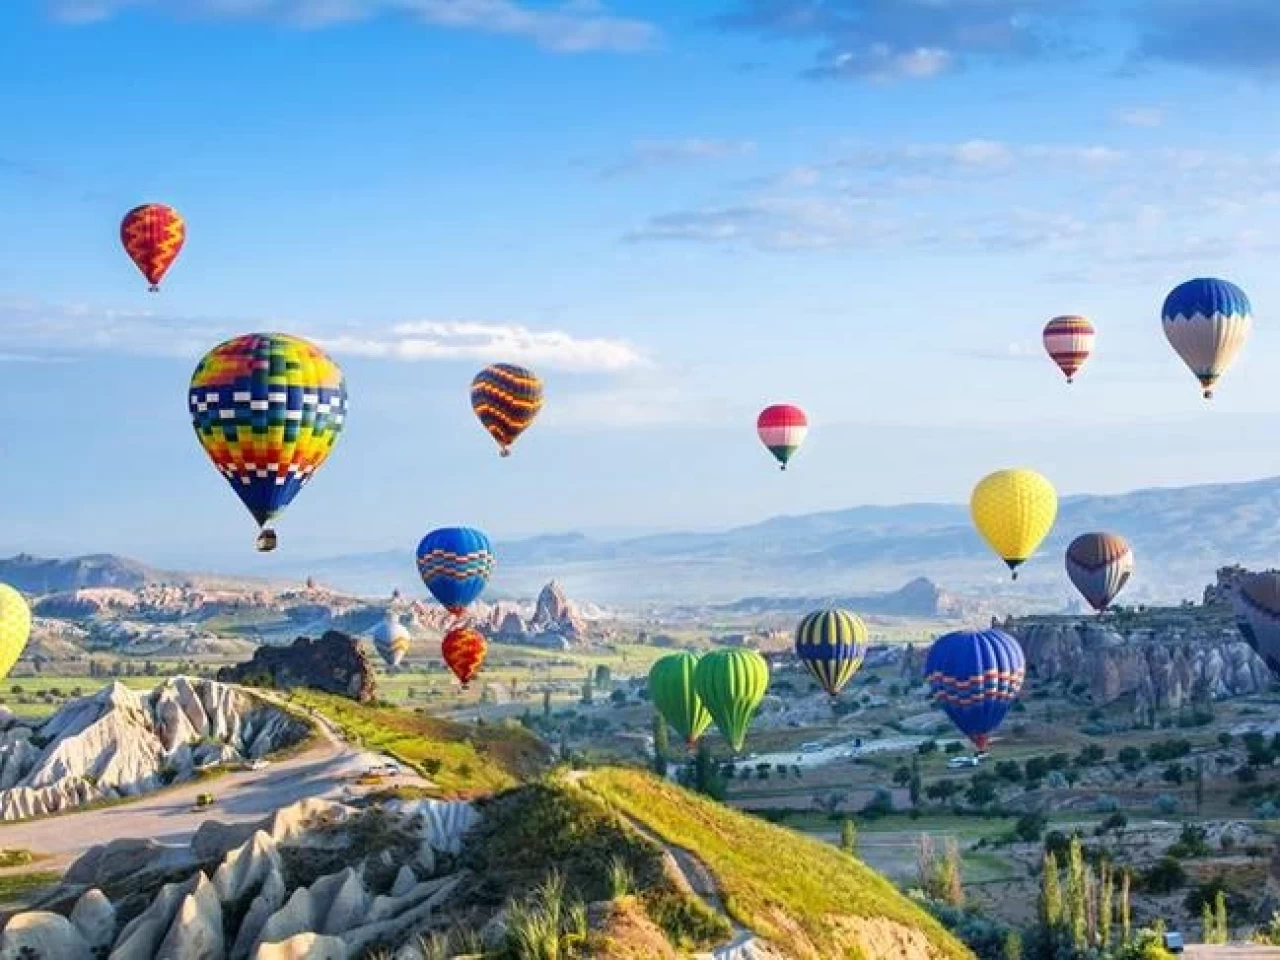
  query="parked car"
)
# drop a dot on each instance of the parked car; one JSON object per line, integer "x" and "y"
{"x": 1173, "y": 941}
{"x": 956, "y": 763}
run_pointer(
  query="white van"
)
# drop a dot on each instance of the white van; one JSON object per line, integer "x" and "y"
{"x": 958, "y": 763}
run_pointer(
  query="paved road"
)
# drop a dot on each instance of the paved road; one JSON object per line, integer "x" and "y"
{"x": 169, "y": 817}
{"x": 1197, "y": 951}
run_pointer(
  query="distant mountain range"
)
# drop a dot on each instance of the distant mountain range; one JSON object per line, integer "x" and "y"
{"x": 1179, "y": 537}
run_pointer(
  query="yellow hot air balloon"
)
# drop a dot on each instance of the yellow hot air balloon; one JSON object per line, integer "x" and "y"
{"x": 1014, "y": 510}
{"x": 15, "y": 627}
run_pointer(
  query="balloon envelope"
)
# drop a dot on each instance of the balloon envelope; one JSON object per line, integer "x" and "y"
{"x": 782, "y": 428}
{"x": 832, "y": 645}
{"x": 1069, "y": 341}
{"x": 1207, "y": 322}
{"x": 267, "y": 409}
{"x": 15, "y": 627}
{"x": 975, "y": 676}
{"x": 463, "y": 649}
{"x": 1257, "y": 606}
{"x": 153, "y": 235}
{"x": 1014, "y": 511}
{"x": 391, "y": 640}
{"x": 731, "y": 684}
{"x": 506, "y": 398}
{"x": 454, "y": 563}
{"x": 671, "y": 689}
{"x": 1099, "y": 564}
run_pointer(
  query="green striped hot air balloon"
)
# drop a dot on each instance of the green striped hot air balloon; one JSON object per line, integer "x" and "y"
{"x": 732, "y": 683}
{"x": 672, "y": 692}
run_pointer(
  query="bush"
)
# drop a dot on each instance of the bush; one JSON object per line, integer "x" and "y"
{"x": 880, "y": 805}
{"x": 1166, "y": 750}
{"x": 1130, "y": 758}
{"x": 1117, "y": 821}
{"x": 1106, "y": 804}
{"x": 1030, "y": 827}
{"x": 1164, "y": 876}
{"x": 1190, "y": 844}
{"x": 955, "y": 746}
{"x": 1165, "y": 804}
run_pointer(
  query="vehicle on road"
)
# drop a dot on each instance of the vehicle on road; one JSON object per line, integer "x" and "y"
{"x": 957, "y": 763}
{"x": 259, "y": 764}
{"x": 1173, "y": 941}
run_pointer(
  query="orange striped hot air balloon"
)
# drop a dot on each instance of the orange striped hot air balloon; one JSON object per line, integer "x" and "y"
{"x": 153, "y": 235}
{"x": 463, "y": 649}
{"x": 506, "y": 398}
{"x": 1069, "y": 341}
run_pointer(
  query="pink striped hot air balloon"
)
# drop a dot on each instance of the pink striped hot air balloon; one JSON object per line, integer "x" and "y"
{"x": 782, "y": 428}
{"x": 1069, "y": 341}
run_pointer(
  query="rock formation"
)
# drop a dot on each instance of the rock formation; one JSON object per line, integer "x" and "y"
{"x": 336, "y": 663}
{"x": 120, "y": 742}
{"x": 1164, "y": 659}
{"x": 243, "y": 904}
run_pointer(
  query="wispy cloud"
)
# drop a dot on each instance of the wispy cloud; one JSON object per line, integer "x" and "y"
{"x": 646, "y": 155}
{"x": 41, "y": 332}
{"x": 573, "y": 26}
{"x": 1142, "y": 116}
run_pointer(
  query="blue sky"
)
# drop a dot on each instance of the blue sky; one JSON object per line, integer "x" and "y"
{"x": 676, "y": 212}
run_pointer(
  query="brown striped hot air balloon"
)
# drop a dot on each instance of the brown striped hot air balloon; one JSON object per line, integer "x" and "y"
{"x": 1069, "y": 341}
{"x": 506, "y": 398}
{"x": 153, "y": 235}
{"x": 1099, "y": 564}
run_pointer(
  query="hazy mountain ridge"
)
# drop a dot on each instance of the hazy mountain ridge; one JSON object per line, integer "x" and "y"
{"x": 1179, "y": 536}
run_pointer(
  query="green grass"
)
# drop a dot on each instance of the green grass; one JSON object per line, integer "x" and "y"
{"x": 16, "y": 857}
{"x": 768, "y": 875}
{"x": 18, "y": 887}
{"x": 459, "y": 759}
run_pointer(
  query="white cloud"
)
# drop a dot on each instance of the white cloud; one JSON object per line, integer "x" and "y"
{"x": 45, "y": 332}
{"x": 1142, "y": 116}
{"x": 645, "y": 155}
{"x": 573, "y": 26}
{"x": 459, "y": 340}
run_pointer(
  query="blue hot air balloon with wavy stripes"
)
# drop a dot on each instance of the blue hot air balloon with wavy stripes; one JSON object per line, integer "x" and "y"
{"x": 454, "y": 563}
{"x": 976, "y": 675}
{"x": 832, "y": 644}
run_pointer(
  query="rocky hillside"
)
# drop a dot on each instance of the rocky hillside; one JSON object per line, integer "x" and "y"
{"x": 425, "y": 878}
{"x": 119, "y": 742}
{"x": 920, "y": 597}
{"x": 1162, "y": 658}
{"x": 336, "y": 663}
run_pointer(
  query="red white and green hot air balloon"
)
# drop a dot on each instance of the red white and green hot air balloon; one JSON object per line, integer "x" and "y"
{"x": 1069, "y": 341}
{"x": 782, "y": 428}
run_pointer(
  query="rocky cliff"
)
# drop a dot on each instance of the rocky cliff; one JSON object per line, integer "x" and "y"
{"x": 120, "y": 742}
{"x": 336, "y": 663}
{"x": 1164, "y": 659}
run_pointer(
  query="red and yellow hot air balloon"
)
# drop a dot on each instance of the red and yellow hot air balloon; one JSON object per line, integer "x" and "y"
{"x": 1069, "y": 342}
{"x": 153, "y": 235}
{"x": 463, "y": 649}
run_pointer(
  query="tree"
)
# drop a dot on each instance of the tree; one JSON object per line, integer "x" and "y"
{"x": 1012, "y": 946}
{"x": 1076, "y": 895}
{"x": 1220, "y": 917}
{"x": 1106, "y": 906}
{"x": 587, "y": 691}
{"x": 1208, "y": 929}
{"x": 707, "y": 779}
{"x": 604, "y": 677}
{"x": 546, "y": 704}
{"x": 914, "y": 788}
{"x": 1050, "y": 894}
{"x": 1130, "y": 758}
{"x": 1030, "y": 827}
{"x": 1126, "y": 917}
{"x": 1199, "y": 783}
{"x": 661, "y": 744}
{"x": 848, "y": 837}
{"x": 902, "y": 776}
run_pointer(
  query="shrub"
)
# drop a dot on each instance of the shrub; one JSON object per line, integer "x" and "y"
{"x": 1106, "y": 804}
{"x": 1191, "y": 843}
{"x": 619, "y": 877}
{"x": 1164, "y": 876}
{"x": 1030, "y": 827}
{"x": 1165, "y": 804}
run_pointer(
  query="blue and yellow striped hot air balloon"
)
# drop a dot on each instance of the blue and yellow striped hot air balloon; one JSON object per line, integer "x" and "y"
{"x": 976, "y": 675}
{"x": 454, "y": 563}
{"x": 506, "y": 398}
{"x": 832, "y": 644}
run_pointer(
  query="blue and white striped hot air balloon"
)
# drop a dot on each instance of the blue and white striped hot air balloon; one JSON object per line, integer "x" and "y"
{"x": 1207, "y": 321}
{"x": 976, "y": 675}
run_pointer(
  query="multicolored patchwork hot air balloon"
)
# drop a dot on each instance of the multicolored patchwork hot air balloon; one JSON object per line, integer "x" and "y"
{"x": 1099, "y": 564}
{"x": 1069, "y": 341}
{"x": 391, "y": 640}
{"x": 832, "y": 644}
{"x": 153, "y": 235}
{"x": 1014, "y": 511}
{"x": 506, "y": 398}
{"x": 1257, "y": 606}
{"x": 15, "y": 627}
{"x": 268, "y": 409}
{"x": 782, "y": 428}
{"x": 731, "y": 683}
{"x": 455, "y": 563}
{"x": 463, "y": 649}
{"x": 975, "y": 676}
{"x": 671, "y": 688}
{"x": 1207, "y": 322}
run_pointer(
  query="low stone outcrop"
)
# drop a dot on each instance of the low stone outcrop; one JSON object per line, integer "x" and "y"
{"x": 336, "y": 663}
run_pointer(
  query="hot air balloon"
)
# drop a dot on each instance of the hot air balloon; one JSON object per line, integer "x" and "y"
{"x": 153, "y": 235}
{"x": 671, "y": 688}
{"x": 463, "y": 649}
{"x": 782, "y": 428}
{"x": 267, "y": 408}
{"x": 832, "y": 643}
{"x": 1014, "y": 510}
{"x": 391, "y": 640}
{"x": 975, "y": 676}
{"x": 454, "y": 563}
{"x": 1207, "y": 322}
{"x": 731, "y": 683}
{"x": 15, "y": 627}
{"x": 1069, "y": 341}
{"x": 506, "y": 398}
{"x": 1099, "y": 564}
{"x": 1257, "y": 604}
